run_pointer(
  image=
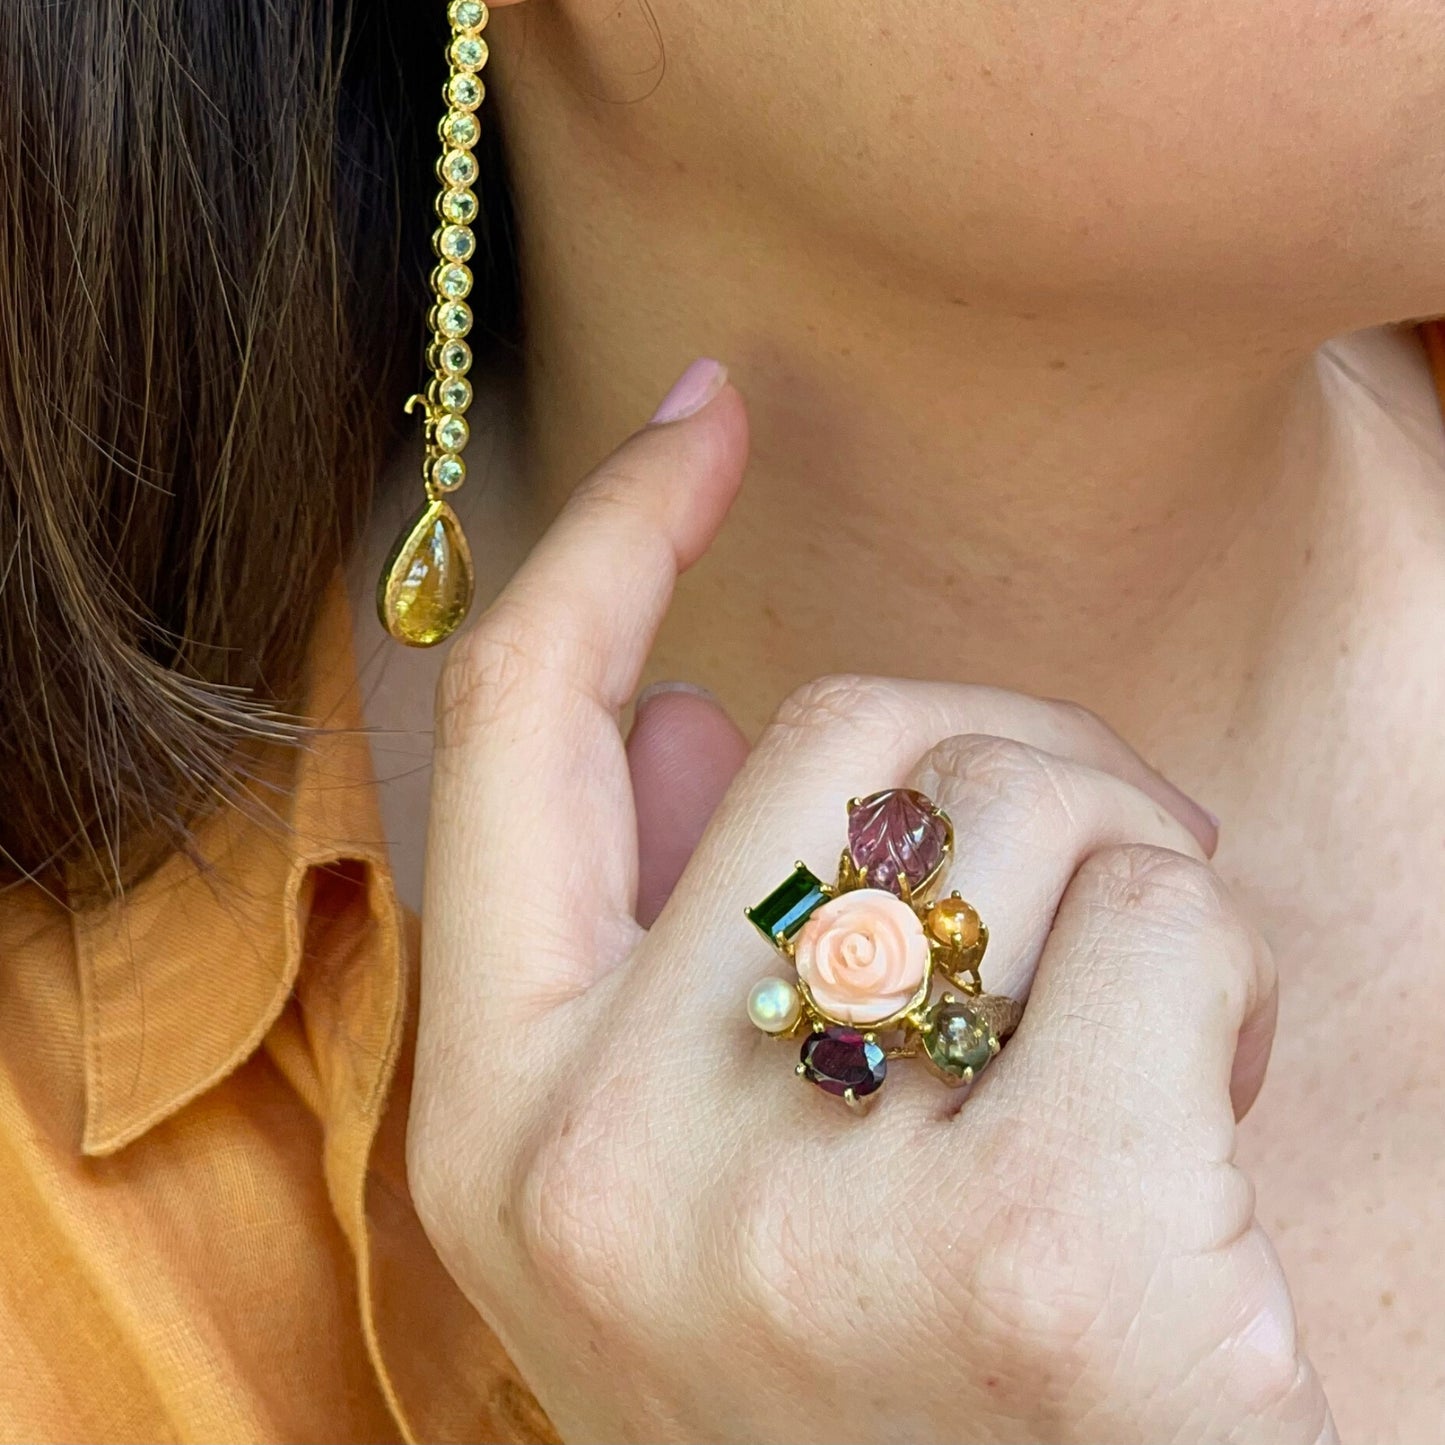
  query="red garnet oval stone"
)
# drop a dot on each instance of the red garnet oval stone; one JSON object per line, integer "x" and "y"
{"x": 837, "y": 1060}
{"x": 896, "y": 832}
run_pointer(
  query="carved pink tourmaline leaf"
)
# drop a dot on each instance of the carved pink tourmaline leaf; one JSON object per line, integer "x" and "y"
{"x": 896, "y": 832}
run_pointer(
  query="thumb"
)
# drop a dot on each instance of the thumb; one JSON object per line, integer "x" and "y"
{"x": 683, "y": 752}
{"x": 531, "y": 786}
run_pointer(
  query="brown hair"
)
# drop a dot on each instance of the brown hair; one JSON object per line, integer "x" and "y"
{"x": 212, "y": 225}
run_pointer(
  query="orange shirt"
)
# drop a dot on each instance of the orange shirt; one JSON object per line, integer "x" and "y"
{"x": 203, "y": 1095}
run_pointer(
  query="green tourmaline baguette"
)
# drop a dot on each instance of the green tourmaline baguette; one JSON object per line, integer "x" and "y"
{"x": 786, "y": 909}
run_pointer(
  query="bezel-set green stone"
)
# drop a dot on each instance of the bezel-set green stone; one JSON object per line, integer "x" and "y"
{"x": 454, "y": 358}
{"x": 458, "y": 206}
{"x": 461, "y": 129}
{"x": 452, "y": 433}
{"x": 456, "y": 243}
{"x": 448, "y": 472}
{"x": 467, "y": 14}
{"x": 469, "y": 53}
{"x": 465, "y": 91}
{"x": 453, "y": 319}
{"x": 454, "y": 281}
{"x": 458, "y": 168}
{"x": 453, "y": 393}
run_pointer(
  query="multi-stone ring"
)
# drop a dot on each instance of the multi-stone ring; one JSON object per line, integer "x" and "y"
{"x": 868, "y": 951}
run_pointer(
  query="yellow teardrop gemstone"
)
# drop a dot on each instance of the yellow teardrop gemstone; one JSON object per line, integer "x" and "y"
{"x": 426, "y": 585}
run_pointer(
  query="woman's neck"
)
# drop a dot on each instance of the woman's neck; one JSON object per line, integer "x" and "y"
{"x": 1130, "y": 509}
{"x": 1231, "y": 548}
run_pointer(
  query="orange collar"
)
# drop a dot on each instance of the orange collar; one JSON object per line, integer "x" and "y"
{"x": 182, "y": 979}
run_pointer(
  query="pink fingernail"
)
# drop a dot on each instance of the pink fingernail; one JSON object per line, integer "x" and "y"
{"x": 661, "y": 689}
{"x": 691, "y": 391}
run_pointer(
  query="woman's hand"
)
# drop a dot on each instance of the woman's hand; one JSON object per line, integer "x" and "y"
{"x": 678, "y": 1240}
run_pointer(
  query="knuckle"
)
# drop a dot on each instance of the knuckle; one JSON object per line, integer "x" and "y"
{"x": 620, "y": 496}
{"x": 999, "y": 772}
{"x": 611, "y": 484}
{"x": 1081, "y": 718}
{"x": 774, "y": 1260}
{"x": 1140, "y": 879}
{"x": 847, "y": 700}
{"x": 439, "y": 1180}
{"x": 615, "y": 490}
{"x": 505, "y": 665}
{"x": 483, "y": 676}
{"x": 424, "y": 1170}
{"x": 1041, "y": 1279}
{"x": 571, "y": 1200}
{"x": 1258, "y": 1356}
{"x": 805, "y": 1276}
{"x": 1270, "y": 1382}
{"x": 1045, "y": 1259}
{"x": 1169, "y": 904}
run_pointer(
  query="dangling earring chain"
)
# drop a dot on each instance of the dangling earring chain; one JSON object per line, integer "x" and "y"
{"x": 426, "y": 587}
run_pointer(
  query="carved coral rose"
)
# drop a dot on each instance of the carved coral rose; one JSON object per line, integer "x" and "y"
{"x": 862, "y": 955}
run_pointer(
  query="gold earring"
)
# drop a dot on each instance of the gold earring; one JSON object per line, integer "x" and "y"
{"x": 426, "y": 586}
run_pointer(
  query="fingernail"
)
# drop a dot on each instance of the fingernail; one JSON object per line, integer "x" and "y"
{"x": 659, "y": 689}
{"x": 691, "y": 391}
{"x": 1208, "y": 833}
{"x": 1211, "y": 846}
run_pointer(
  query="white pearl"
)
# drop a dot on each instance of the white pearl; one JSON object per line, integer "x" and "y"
{"x": 774, "y": 1005}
